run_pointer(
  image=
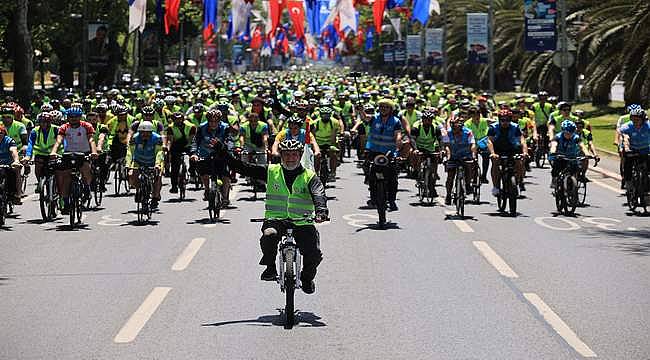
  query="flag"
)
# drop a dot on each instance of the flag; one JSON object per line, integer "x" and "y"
{"x": 397, "y": 21}
{"x": 160, "y": 13}
{"x": 394, "y": 3}
{"x": 257, "y": 39}
{"x": 378, "y": 14}
{"x": 421, "y": 11}
{"x": 434, "y": 6}
{"x": 275, "y": 12}
{"x": 299, "y": 48}
{"x": 171, "y": 14}
{"x": 240, "y": 13}
{"x": 297, "y": 16}
{"x": 370, "y": 38}
{"x": 137, "y": 15}
{"x": 344, "y": 10}
{"x": 209, "y": 19}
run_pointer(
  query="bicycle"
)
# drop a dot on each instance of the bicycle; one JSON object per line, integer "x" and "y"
{"x": 460, "y": 185}
{"x": 426, "y": 182}
{"x": 98, "y": 184}
{"x": 6, "y": 205}
{"x": 215, "y": 201}
{"x": 183, "y": 176}
{"x": 324, "y": 168}
{"x": 541, "y": 150}
{"x": 582, "y": 182}
{"x": 637, "y": 187}
{"x": 255, "y": 157}
{"x": 566, "y": 185}
{"x": 48, "y": 197}
{"x": 78, "y": 194}
{"x": 289, "y": 261}
{"x": 379, "y": 188}
{"x": 121, "y": 176}
{"x": 146, "y": 177}
{"x": 508, "y": 191}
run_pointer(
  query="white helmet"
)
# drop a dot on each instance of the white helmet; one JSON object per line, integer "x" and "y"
{"x": 145, "y": 126}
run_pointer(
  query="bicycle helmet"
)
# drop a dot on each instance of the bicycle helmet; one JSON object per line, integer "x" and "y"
{"x": 198, "y": 107}
{"x": 579, "y": 113}
{"x": 177, "y": 115}
{"x": 74, "y": 111}
{"x": 542, "y": 93}
{"x": 170, "y": 99}
{"x": 46, "y": 108}
{"x": 148, "y": 110}
{"x": 121, "y": 110}
{"x": 213, "y": 113}
{"x": 429, "y": 113}
{"x": 563, "y": 105}
{"x": 7, "y": 110}
{"x": 368, "y": 109}
{"x": 326, "y": 110}
{"x": 632, "y": 107}
{"x": 568, "y": 126}
{"x": 295, "y": 120}
{"x": 57, "y": 116}
{"x": 44, "y": 116}
{"x": 290, "y": 145}
{"x": 158, "y": 103}
{"x": 101, "y": 107}
{"x": 637, "y": 112}
{"x": 145, "y": 126}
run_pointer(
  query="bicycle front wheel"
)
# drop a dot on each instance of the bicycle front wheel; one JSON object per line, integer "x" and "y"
{"x": 571, "y": 195}
{"x": 582, "y": 192}
{"x": 289, "y": 291}
{"x": 512, "y": 196}
{"x": 44, "y": 199}
{"x": 380, "y": 201}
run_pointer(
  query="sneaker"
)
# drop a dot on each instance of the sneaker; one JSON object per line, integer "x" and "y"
{"x": 495, "y": 191}
{"x": 270, "y": 274}
{"x": 434, "y": 193}
{"x": 392, "y": 206}
{"x": 370, "y": 204}
{"x": 173, "y": 190}
{"x": 308, "y": 287}
{"x": 522, "y": 187}
{"x": 154, "y": 203}
{"x": 16, "y": 200}
{"x": 484, "y": 181}
{"x": 448, "y": 200}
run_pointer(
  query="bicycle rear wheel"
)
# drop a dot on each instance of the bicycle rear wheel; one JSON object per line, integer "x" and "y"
{"x": 3, "y": 209}
{"x": 582, "y": 192}
{"x": 44, "y": 199}
{"x": 560, "y": 196}
{"x": 116, "y": 179}
{"x": 422, "y": 185}
{"x": 502, "y": 201}
{"x": 460, "y": 196}
{"x": 572, "y": 195}
{"x": 512, "y": 196}
{"x": 431, "y": 185}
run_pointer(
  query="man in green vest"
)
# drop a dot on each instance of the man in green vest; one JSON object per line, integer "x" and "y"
{"x": 40, "y": 143}
{"x": 427, "y": 139}
{"x": 306, "y": 198}
{"x": 179, "y": 137}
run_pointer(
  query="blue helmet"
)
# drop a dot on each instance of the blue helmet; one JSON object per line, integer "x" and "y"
{"x": 633, "y": 107}
{"x": 74, "y": 111}
{"x": 637, "y": 111}
{"x": 569, "y": 126}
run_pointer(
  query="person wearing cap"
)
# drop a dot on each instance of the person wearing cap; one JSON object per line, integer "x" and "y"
{"x": 197, "y": 117}
{"x": 385, "y": 136}
{"x": 254, "y": 136}
{"x": 522, "y": 106}
{"x": 325, "y": 130}
{"x": 291, "y": 193}
{"x": 566, "y": 143}
{"x": 180, "y": 133}
{"x": 428, "y": 139}
{"x": 9, "y": 157}
{"x": 479, "y": 126}
{"x": 145, "y": 150}
{"x": 119, "y": 132}
{"x": 75, "y": 136}
{"x": 505, "y": 139}
{"x": 542, "y": 110}
{"x": 562, "y": 113}
{"x": 460, "y": 147}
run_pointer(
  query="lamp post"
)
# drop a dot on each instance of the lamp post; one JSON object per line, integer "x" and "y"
{"x": 491, "y": 44}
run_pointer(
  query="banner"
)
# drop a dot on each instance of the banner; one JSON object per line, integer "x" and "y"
{"x": 150, "y": 46}
{"x": 237, "y": 54}
{"x": 433, "y": 46}
{"x": 388, "y": 53}
{"x": 477, "y": 38}
{"x": 539, "y": 21}
{"x": 211, "y": 59}
{"x": 413, "y": 48}
{"x": 399, "y": 47}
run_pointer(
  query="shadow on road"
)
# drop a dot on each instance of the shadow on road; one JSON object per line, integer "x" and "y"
{"x": 206, "y": 221}
{"x": 375, "y": 226}
{"x": 4, "y": 281}
{"x": 303, "y": 318}
{"x": 178, "y": 200}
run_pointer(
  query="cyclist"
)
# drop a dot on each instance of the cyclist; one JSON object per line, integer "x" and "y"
{"x": 562, "y": 113}
{"x": 101, "y": 141}
{"x": 291, "y": 192}
{"x": 294, "y": 132}
{"x": 179, "y": 138}
{"x": 197, "y": 117}
{"x": 618, "y": 137}
{"x": 479, "y": 126}
{"x": 9, "y": 156}
{"x": 325, "y": 131}
{"x": 506, "y": 139}
{"x": 18, "y": 132}
{"x": 427, "y": 137}
{"x": 385, "y": 136}
{"x": 203, "y": 145}
{"x": 75, "y": 136}
{"x": 542, "y": 110}
{"x": 460, "y": 147}
{"x": 587, "y": 140}
{"x": 636, "y": 139}
{"x": 566, "y": 143}
{"x": 254, "y": 135}
{"x": 145, "y": 149}
{"x": 41, "y": 141}
{"x": 119, "y": 128}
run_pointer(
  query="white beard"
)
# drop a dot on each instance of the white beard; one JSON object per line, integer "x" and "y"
{"x": 290, "y": 167}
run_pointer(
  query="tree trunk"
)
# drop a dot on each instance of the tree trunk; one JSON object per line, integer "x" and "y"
{"x": 23, "y": 63}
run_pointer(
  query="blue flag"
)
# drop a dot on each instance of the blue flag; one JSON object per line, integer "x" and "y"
{"x": 370, "y": 38}
{"x": 393, "y": 3}
{"x": 421, "y": 11}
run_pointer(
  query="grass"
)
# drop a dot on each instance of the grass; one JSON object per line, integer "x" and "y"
{"x": 603, "y": 122}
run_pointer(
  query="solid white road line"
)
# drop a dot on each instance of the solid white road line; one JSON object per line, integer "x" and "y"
{"x": 559, "y": 326}
{"x": 494, "y": 259}
{"x": 140, "y": 317}
{"x": 462, "y": 225}
{"x": 608, "y": 187}
{"x": 188, "y": 254}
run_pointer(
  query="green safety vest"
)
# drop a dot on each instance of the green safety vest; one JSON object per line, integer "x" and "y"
{"x": 247, "y": 132}
{"x": 281, "y": 203}
{"x": 425, "y": 141}
{"x": 413, "y": 117}
{"x": 176, "y": 131}
{"x": 41, "y": 146}
{"x": 542, "y": 114}
{"x": 480, "y": 131}
{"x": 323, "y": 131}
{"x": 98, "y": 128}
{"x": 197, "y": 122}
{"x": 584, "y": 137}
{"x": 14, "y": 132}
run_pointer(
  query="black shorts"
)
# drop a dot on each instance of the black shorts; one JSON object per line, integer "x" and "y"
{"x": 212, "y": 166}
{"x": 510, "y": 151}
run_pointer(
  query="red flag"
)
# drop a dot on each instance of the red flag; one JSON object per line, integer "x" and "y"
{"x": 275, "y": 12}
{"x": 307, "y": 132}
{"x": 378, "y": 14}
{"x": 297, "y": 15}
{"x": 360, "y": 38}
{"x": 171, "y": 14}
{"x": 257, "y": 40}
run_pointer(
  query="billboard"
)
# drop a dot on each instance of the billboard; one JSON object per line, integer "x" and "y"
{"x": 477, "y": 38}
{"x": 540, "y": 25}
{"x": 433, "y": 46}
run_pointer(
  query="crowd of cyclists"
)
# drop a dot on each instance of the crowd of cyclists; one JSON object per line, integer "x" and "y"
{"x": 411, "y": 121}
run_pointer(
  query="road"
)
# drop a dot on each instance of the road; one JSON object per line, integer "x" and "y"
{"x": 539, "y": 286}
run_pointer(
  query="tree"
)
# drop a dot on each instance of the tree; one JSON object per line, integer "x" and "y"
{"x": 22, "y": 53}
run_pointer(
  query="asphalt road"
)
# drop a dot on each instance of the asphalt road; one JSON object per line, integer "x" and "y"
{"x": 539, "y": 286}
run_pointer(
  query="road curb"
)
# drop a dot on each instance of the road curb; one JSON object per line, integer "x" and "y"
{"x": 609, "y": 174}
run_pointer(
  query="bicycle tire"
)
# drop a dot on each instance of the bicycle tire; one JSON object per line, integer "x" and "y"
{"x": 512, "y": 196}
{"x": 502, "y": 202}
{"x": 477, "y": 192}
{"x": 324, "y": 170}
{"x": 43, "y": 197}
{"x": 380, "y": 202}
{"x": 422, "y": 185}
{"x": 54, "y": 198}
{"x": 98, "y": 195}
{"x": 560, "y": 198}
{"x": 79, "y": 205}
{"x": 3, "y": 209}
{"x": 72, "y": 210}
{"x": 211, "y": 207}
{"x": 459, "y": 194}
{"x": 24, "y": 184}
{"x": 572, "y": 195}
{"x": 289, "y": 290}
{"x": 582, "y": 192}
{"x": 431, "y": 187}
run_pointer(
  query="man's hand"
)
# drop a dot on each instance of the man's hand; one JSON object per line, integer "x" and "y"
{"x": 94, "y": 156}
{"x": 321, "y": 218}
{"x": 494, "y": 155}
{"x": 53, "y": 156}
{"x": 194, "y": 158}
{"x": 16, "y": 165}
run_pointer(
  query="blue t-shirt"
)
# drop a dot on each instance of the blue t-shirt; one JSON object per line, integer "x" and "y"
{"x": 203, "y": 138}
{"x": 568, "y": 147}
{"x": 5, "y": 155}
{"x": 639, "y": 138}
{"x": 461, "y": 146}
{"x": 382, "y": 135}
{"x": 505, "y": 139}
